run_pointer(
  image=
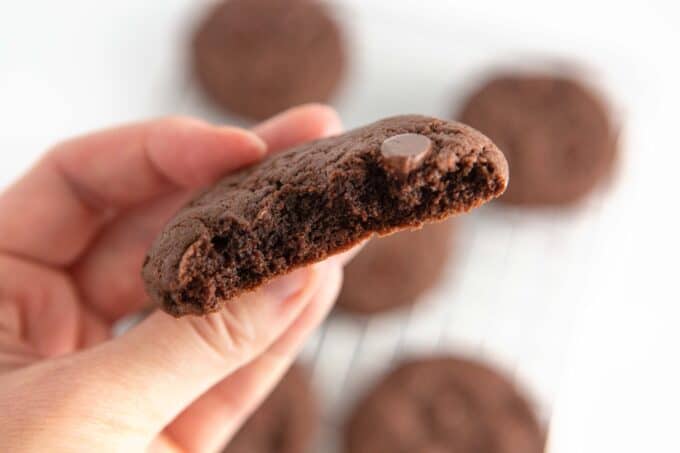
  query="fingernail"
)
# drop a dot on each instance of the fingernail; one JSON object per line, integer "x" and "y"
{"x": 271, "y": 124}
{"x": 334, "y": 127}
{"x": 345, "y": 257}
{"x": 250, "y": 136}
{"x": 257, "y": 141}
{"x": 287, "y": 285}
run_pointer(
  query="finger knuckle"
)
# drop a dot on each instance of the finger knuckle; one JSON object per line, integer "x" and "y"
{"x": 229, "y": 332}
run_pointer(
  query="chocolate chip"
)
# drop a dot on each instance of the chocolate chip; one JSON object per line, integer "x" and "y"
{"x": 405, "y": 152}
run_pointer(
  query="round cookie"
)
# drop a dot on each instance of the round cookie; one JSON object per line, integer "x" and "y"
{"x": 258, "y": 57}
{"x": 286, "y": 422}
{"x": 444, "y": 405}
{"x": 556, "y": 135}
{"x": 392, "y": 271}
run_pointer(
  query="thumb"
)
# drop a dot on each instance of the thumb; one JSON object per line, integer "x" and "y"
{"x": 129, "y": 389}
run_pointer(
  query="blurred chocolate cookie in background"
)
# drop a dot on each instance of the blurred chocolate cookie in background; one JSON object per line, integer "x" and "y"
{"x": 286, "y": 422}
{"x": 393, "y": 271}
{"x": 444, "y": 405}
{"x": 556, "y": 133}
{"x": 258, "y": 57}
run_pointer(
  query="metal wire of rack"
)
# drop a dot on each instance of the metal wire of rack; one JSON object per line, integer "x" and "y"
{"x": 510, "y": 299}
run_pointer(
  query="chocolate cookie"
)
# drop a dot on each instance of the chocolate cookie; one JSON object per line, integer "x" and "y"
{"x": 312, "y": 201}
{"x": 555, "y": 133}
{"x": 444, "y": 405}
{"x": 286, "y": 422}
{"x": 393, "y": 271}
{"x": 258, "y": 57}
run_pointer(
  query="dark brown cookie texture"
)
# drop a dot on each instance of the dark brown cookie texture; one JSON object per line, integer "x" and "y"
{"x": 393, "y": 271}
{"x": 286, "y": 422}
{"x": 444, "y": 405}
{"x": 321, "y": 198}
{"x": 554, "y": 131}
{"x": 258, "y": 57}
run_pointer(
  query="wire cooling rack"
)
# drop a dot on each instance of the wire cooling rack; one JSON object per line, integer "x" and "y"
{"x": 510, "y": 298}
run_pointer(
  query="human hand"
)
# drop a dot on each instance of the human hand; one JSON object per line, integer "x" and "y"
{"x": 73, "y": 234}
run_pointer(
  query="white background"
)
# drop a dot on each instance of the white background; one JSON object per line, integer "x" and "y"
{"x": 581, "y": 307}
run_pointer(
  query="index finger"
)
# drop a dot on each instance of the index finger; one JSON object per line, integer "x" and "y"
{"x": 56, "y": 209}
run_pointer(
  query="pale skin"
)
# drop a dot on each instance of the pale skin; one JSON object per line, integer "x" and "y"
{"x": 73, "y": 234}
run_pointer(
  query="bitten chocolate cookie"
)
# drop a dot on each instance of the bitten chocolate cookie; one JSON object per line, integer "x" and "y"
{"x": 444, "y": 405}
{"x": 555, "y": 133}
{"x": 258, "y": 57}
{"x": 305, "y": 204}
{"x": 286, "y": 422}
{"x": 393, "y": 271}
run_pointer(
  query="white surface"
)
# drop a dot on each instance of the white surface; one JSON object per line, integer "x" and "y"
{"x": 581, "y": 307}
